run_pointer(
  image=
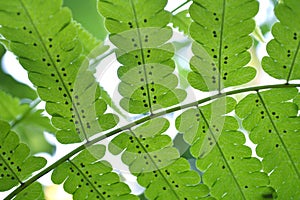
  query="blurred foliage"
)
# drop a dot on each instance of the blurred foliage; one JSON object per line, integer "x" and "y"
{"x": 85, "y": 12}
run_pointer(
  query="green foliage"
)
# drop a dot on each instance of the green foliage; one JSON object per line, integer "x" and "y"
{"x": 27, "y": 122}
{"x": 15, "y": 163}
{"x": 140, "y": 34}
{"x": 182, "y": 21}
{"x": 88, "y": 178}
{"x": 221, "y": 154}
{"x": 220, "y": 62}
{"x": 274, "y": 126}
{"x": 283, "y": 61}
{"x": 157, "y": 164}
{"x": 229, "y": 144}
{"x": 60, "y": 53}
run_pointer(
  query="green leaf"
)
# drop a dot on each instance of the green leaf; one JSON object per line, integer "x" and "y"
{"x": 150, "y": 156}
{"x": 182, "y": 21}
{"x": 226, "y": 162}
{"x": 271, "y": 118}
{"x": 28, "y": 122}
{"x": 44, "y": 37}
{"x": 15, "y": 163}
{"x": 140, "y": 34}
{"x": 86, "y": 177}
{"x": 283, "y": 61}
{"x": 219, "y": 60}
{"x": 33, "y": 192}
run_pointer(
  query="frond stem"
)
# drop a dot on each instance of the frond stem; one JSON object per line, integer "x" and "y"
{"x": 138, "y": 122}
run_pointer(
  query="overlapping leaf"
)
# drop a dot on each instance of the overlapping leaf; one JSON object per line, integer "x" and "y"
{"x": 284, "y": 59}
{"x": 182, "y": 21}
{"x": 16, "y": 165}
{"x": 271, "y": 118}
{"x": 140, "y": 34}
{"x": 221, "y": 31}
{"x": 45, "y": 39}
{"x": 221, "y": 155}
{"x": 86, "y": 177}
{"x": 151, "y": 157}
{"x": 27, "y": 122}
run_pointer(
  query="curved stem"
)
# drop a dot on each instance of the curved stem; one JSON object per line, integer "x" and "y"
{"x": 137, "y": 122}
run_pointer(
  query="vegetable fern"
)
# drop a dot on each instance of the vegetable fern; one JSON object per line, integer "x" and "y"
{"x": 234, "y": 141}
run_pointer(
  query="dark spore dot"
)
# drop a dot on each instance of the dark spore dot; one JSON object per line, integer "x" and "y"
{"x": 69, "y": 83}
{"x": 212, "y": 50}
{"x": 148, "y": 56}
{"x": 152, "y": 89}
{"x": 277, "y": 145}
{"x": 136, "y": 56}
{"x": 177, "y": 186}
{"x": 270, "y": 131}
{"x": 64, "y": 74}
{"x": 154, "y": 102}
{"x": 44, "y": 59}
{"x": 34, "y": 44}
{"x": 144, "y": 94}
{"x": 71, "y": 90}
{"x": 154, "y": 97}
{"x": 144, "y": 101}
{"x": 256, "y": 100}
{"x": 103, "y": 192}
{"x": 63, "y": 69}
{"x": 149, "y": 51}
{"x": 52, "y": 74}
{"x": 132, "y": 39}
{"x": 24, "y": 28}
{"x": 142, "y": 79}
{"x": 60, "y": 89}
{"x": 71, "y": 109}
{"x": 232, "y": 157}
{"x": 164, "y": 188}
{"x": 135, "y": 45}
{"x": 215, "y": 56}
{"x": 56, "y": 80}
{"x": 217, "y": 19}
{"x": 284, "y": 131}
{"x": 139, "y": 63}
{"x": 224, "y": 78}
{"x": 147, "y": 145}
{"x": 145, "y": 20}
{"x": 225, "y": 47}
{"x": 214, "y": 14}
{"x": 214, "y": 69}
{"x": 284, "y": 66}
{"x": 211, "y": 143}
{"x": 57, "y": 55}
{"x": 273, "y": 113}
{"x": 58, "y": 60}
{"x": 50, "y": 39}
{"x": 30, "y": 32}
{"x": 65, "y": 95}
{"x": 139, "y": 152}
{"x": 262, "y": 112}
{"x": 147, "y": 163}
{"x": 145, "y": 105}
{"x": 223, "y": 167}
{"x": 50, "y": 46}
{"x": 150, "y": 73}
{"x": 48, "y": 64}
{"x": 18, "y": 13}
{"x": 246, "y": 186}
{"x": 66, "y": 103}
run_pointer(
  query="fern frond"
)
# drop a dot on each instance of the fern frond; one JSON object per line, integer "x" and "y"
{"x": 33, "y": 192}
{"x": 86, "y": 177}
{"x": 271, "y": 118}
{"x": 16, "y": 165}
{"x": 141, "y": 35}
{"x": 151, "y": 157}
{"x": 221, "y": 33}
{"x": 182, "y": 21}
{"x": 284, "y": 59}
{"x": 48, "y": 48}
{"x": 226, "y": 162}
